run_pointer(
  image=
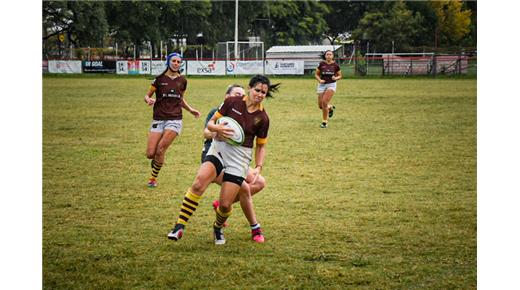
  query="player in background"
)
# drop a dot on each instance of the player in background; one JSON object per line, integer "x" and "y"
{"x": 169, "y": 88}
{"x": 247, "y": 189}
{"x": 327, "y": 73}
{"x": 232, "y": 160}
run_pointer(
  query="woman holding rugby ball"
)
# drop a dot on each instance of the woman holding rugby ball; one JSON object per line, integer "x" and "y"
{"x": 248, "y": 188}
{"x": 327, "y": 73}
{"x": 169, "y": 88}
{"x": 233, "y": 160}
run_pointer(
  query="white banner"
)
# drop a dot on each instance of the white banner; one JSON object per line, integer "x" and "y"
{"x": 245, "y": 67}
{"x": 145, "y": 67}
{"x": 65, "y": 66}
{"x": 158, "y": 66}
{"x": 122, "y": 67}
{"x": 206, "y": 67}
{"x": 284, "y": 67}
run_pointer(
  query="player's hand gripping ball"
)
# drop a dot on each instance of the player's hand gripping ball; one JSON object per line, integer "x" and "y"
{"x": 238, "y": 136}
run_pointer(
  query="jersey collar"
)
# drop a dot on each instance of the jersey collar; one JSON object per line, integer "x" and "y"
{"x": 261, "y": 105}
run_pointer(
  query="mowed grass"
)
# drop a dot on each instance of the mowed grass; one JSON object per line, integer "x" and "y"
{"x": 385, "y": 198}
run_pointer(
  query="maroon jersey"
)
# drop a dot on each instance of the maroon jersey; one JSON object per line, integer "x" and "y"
{"x": 253, "y": 124}
{"x": 327, "y": 71}
{"x": 168, "y": 97}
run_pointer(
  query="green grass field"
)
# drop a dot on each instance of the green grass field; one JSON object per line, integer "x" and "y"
{"x": 385, "y": 198}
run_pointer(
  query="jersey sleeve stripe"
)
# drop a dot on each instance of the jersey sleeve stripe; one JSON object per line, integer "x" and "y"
{"x": 261, "y": 141}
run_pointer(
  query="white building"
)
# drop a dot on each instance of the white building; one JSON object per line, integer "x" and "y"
{"x": 311, "y": 54}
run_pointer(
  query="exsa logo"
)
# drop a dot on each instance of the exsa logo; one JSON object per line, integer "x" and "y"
{"x": 208, "y": 70}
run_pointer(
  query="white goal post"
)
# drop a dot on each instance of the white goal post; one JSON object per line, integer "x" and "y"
{"x": 247, "y": 50}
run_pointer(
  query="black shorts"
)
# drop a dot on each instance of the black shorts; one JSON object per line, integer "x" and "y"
{"x": 214, "y": 160}
{"x": 219, "y": 167}
{"x": 207, "y": 144}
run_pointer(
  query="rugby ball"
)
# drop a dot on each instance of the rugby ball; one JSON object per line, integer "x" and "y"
{"x": 238, "y": 137}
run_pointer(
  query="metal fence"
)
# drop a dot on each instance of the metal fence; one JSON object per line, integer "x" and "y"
{"x": 409, "y": 65}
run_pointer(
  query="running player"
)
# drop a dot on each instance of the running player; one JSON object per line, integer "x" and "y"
{"x": 169, "y": 88}
{"x": 327, "y": 73}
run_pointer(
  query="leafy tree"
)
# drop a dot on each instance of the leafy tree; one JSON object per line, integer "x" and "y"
{"x": 56, "y": 19}
{"x": 89, "y": 22}
{"x": 453, "y": 23}
{"x": 426, "y": 38}
{"x": 296, "y": 22}
{"x": 343, "y": 16}
{"x": 84, "y": 23}
{"x": 394, "y": 22}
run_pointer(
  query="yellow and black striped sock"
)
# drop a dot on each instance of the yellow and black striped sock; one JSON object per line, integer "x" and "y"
{"x": 156, "y": 167}
{"x": 189, "y": 205}
{"x": 221, "y": 217}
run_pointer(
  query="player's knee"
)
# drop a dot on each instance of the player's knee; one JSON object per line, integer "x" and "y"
{"x": 260, "y": 183}
{"x": 225, "y": 206}
{"x": 160, "y": 150}
{"x": 198, "y": 187}
{"x": 150, "y": 154}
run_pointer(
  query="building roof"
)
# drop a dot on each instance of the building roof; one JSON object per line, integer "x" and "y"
{"x": 301, "y": 48}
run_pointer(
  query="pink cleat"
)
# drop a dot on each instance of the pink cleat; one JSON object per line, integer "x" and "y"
{"x": 152, "y": 182}
{"x": 257, "y": 236}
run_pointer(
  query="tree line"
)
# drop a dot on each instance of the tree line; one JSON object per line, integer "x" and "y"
{"x": 398, "y": 25}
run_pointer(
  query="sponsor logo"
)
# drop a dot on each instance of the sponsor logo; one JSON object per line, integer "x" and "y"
{"x": 172, "y": 94}
{"x": 209, "y": 69}
{"x": 257, "y": 120}
{"x": 231, "y": 67}
{"x": 287, "y": 65}
{"x": 94, "y": 63}
{"x": 204, "y": 70}
{"x": 236, "y": 111}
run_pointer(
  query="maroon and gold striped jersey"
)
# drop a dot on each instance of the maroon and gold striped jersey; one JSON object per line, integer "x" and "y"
{"x": 254, "y": 124}
{"x": 327, "y": 71}
{"x": 168, "y": 97}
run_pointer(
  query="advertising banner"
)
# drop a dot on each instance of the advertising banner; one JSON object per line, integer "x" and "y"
{"x": 284, "y": 67}
{"x": 158, "y": 66}
{"x": 145, "y": 67}
{"x": 122, "y": 67}
{"x": 133, "y": 67}
{"x": 205, "y": 67}
{"x": 65, "y": 66}
{"x": 45, "y": 66}
{"x": 100, "y": 66}
{"x": 245, "y": 67}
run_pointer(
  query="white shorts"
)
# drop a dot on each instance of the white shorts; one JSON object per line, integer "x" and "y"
{"x": 323, "y": 87}
{"x": 235, "y": 159}
{"x": 159, "y": 126}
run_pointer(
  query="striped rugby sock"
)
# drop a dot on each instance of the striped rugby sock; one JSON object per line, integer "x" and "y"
{"x": 221, "y": 217}
{"x": 188, "y": 207}
{"x": 156, "y": 167}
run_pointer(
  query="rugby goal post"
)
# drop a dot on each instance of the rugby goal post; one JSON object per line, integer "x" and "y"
{"x": 247, "y": 50}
